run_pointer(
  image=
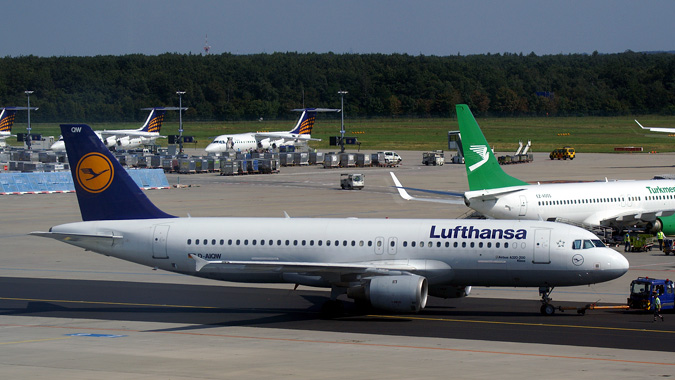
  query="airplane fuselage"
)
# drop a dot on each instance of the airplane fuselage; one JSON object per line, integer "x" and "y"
{"x": 445, "y": 252}
{"x": 615, "y": 203}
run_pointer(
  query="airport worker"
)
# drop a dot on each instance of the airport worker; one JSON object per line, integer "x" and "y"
{"x": 626, "y": 242}
{"x": 660, "y": 236}
{"x": 656, "y": 306}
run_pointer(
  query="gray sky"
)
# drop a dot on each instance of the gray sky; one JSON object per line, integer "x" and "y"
{"x": 429, "y": 27}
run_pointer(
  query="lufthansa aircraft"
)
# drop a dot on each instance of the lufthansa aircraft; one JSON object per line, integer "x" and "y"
{"x": 131, "y": 138}
{"x": 242, "y": 142}
{"x": 393, "y": 264}
{"x": 497, "y": 195}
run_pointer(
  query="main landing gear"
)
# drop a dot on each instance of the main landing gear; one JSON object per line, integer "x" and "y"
{"x": 546, "y": 307}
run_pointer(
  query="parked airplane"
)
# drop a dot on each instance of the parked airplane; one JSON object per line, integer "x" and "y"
{"x": 7, "y": 115}
{"x": 392, "y": 264}
{"x": 495, "y": 194}
{"x": 242, "y": 142}
{"x": 131, "y": 138}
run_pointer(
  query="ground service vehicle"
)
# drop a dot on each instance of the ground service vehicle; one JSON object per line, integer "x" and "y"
{"x": 642, "y": 293}
{"x": 562, "y": 153}
{"x": 351, "y": 181}
{"x": 433, "y": 158}
{"x": 391, "y": 158}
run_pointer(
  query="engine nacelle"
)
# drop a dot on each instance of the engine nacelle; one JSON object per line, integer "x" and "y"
{"x": 264, "y": 144}
{"x": 397, "y": 294}
{"x": 443, "y": 291}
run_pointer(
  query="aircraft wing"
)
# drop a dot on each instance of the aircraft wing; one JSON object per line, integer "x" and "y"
{"x": 665, "y": 130}
{"x": 384, "y": 267}
{"x": 129, "y": 133}
{"x": 404, "y": 194}
{"x": 285, "y": 136}
{"x": 637, "y": 216}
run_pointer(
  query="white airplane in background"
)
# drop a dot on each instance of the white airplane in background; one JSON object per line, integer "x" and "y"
{"x": 131, "y": 138}
{"x": 655, "y": 129}
{"x": 391, "y": 264}
{"x": 242, "y": 142}
{"x": 497, "y": 195}
{"x": 7, "y": 116}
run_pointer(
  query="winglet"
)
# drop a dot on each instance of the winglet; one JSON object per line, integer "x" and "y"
{"x": 638, "y": 123}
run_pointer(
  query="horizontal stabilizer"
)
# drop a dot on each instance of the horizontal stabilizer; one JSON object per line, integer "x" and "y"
{"x": 404, "y": 194}
{"x": 75, "y": 238}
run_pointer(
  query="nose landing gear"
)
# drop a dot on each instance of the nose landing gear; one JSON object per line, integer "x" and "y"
{"x": 546, "y": 307}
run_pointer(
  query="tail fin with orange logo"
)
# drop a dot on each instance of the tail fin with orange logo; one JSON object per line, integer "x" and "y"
{"x": 105, "y": 191}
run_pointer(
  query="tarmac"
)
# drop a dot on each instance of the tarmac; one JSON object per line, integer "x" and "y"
{"x": 105, "y": 348}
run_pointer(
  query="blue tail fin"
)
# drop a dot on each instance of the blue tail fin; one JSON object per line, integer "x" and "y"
{"x": 7, "y": 119}
{"x": 105, "y": 191}
{"x": 306, "y": 122}
{"x": 154, "y": 121}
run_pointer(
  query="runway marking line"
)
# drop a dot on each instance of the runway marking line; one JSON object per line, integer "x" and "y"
{"x": 315, "y": 341}
{"x": 108, "y": 303}
{"x": 35, "y": 340}
{"x": 520, "y": 324}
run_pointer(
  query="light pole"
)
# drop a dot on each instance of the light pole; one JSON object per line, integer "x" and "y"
{"x": 180, "y": 121}
{"x": 28, "y": 139}
{"x": 342, "y": 124}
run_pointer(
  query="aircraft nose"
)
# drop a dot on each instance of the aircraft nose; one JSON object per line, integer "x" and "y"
{"x": 210, "y": 148}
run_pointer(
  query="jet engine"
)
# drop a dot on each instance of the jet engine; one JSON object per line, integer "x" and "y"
{"x": 397, "y": 294}
{"x": 449, "y": 291}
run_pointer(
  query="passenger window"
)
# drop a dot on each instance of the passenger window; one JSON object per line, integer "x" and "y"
{"x": 213, "y": 242}
{"x": 278, "y": 242}
{"x": 189, "y": 241}
{"x": 412, "y": 244}
{"x": 370, "y": 243}
{"x": 245, "y": 241}
{"x": 405, "y": 243}
{"x": 361, "y": 243}
{"x": 392, "y": 243}
{"x": 295, "y": 242}
{"x": 222, "y": 241}
{"x": 196, "y": 241}
{"x": 455, "y": 244}
{"x": 319, "y": 242}
{"x": 472, "y": 244}
{"x": 254, "y": 242}
{"x": 311, "y": 243}
{"x": 206, "y": 242}
{"x": 576, "y": 244}
{"x": 506, "y": 245}
{"x": 288, "y": 242}
{"x": 463, "y": 244}
{"x": 480, "y": 245}
{"x": 489, "y": 245}
{"x": 438, "y": 244}
{"x": 430, "y": 244}
{"x": 327, "y": 243}
{"x": 262, "y": 242}
{"x": 354, "y": 243}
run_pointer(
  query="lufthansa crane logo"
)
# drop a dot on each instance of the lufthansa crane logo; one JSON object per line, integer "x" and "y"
{"x": 577, "y": 259}
{"x": 94, "y": 172}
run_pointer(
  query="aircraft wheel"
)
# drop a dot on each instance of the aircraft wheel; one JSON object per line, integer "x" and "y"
{"x": 547, "y": 309}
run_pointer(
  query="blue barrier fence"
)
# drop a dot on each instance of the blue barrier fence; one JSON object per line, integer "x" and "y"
{"x": 63, "y": 181}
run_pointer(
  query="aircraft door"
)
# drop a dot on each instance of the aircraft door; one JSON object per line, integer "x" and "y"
{"x": 523, "y": 205}
{"x": 379, "y": 245}
{"x": 159, "y": 238}
{"x": 391, "y": 245}
{"x": 542, "y": 248}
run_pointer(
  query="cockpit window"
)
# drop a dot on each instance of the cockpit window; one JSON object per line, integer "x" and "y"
{"x": 598, "y": 243}
{"x": 588, "y": 244}
{"x": 576, "y": 244}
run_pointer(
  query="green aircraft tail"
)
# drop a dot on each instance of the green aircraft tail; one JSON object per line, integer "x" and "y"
{"x": 482, "y": 169}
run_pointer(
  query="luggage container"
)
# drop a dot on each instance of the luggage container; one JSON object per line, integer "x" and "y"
{"x": 252, "y": 165}
{"x": 187, "y": 165}
{"x": 316, "y": 158}
{"x": 286, "y": 159}
{"x": 300, "y": 158}
{"x": 228, "y": 168}
{"x": 363, "y": 159}
{"x": 347, "y": 160}
{"x": 331, "y": 160}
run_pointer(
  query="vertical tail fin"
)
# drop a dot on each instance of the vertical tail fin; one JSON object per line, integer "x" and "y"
{"x": 105, "y": 191}
{"x": 7, "y": 116}
{"x": 154, "y": 120}
{"x": 305, "y": 123}
{"x": 482, "y": 169}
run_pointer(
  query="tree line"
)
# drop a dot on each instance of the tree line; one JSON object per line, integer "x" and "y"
{"x": 246, "y": 87}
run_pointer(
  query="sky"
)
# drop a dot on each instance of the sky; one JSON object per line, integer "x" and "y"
{"x": 418, "y": 27}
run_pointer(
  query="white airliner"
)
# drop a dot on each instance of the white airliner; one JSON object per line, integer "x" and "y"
{"x": 7, "y": 116}
{"x": 392, "y": 264}
{"x": 497, "y": 195}
{"x": 242, "y": 142}
{"x": 131, "y": 138}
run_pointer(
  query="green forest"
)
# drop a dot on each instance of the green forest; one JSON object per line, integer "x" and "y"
{"x": 230, "y": 87}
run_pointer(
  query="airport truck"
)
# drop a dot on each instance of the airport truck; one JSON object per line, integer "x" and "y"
{"x": 642, "y": 293}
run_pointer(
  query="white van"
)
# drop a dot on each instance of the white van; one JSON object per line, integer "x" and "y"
{"x": 391, "y": 158}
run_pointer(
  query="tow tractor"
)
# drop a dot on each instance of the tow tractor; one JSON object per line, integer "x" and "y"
{"x": 351, "y": 181}
{"x": 642, "y": 293}
{"x": 641, "y": 297}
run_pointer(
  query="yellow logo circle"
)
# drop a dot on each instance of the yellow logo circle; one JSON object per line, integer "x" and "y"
{"x": 94, "y": 172}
